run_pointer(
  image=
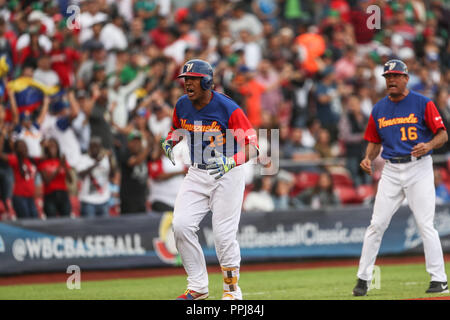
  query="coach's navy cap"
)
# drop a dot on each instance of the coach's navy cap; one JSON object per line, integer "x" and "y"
{"x": 395, "y": 66}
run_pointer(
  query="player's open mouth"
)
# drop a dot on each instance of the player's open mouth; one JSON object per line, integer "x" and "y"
{"x": 190, "y": 92}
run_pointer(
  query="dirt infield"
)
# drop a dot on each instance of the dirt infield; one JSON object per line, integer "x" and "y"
{"x": 169, "y": 271}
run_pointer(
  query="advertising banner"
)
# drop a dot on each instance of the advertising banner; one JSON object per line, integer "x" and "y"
{"x": 146, "y": 240}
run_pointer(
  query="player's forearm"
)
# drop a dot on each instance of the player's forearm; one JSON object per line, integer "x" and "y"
{"x": 175, "y": 135}
{"x": 439, "y": 139}
{"x": 373, "y": 150}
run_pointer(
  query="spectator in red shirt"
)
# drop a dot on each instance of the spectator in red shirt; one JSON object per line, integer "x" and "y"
{"x": 345, "y": 67}
{"x": 54, "y": 170}
{"x": 64, "y": 60}
{"x": 358, "y": 18}
{"x": 24, "y": 172}
{"x": 29, "y": 54}
{"x": 343, "y": 8}
{"x": 403, "y": 29}
{"x": 160, "y": 36}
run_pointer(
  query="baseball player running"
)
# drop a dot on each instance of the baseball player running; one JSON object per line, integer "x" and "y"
{"x": 408, "y": 127}
{"x": 221, "y": 139}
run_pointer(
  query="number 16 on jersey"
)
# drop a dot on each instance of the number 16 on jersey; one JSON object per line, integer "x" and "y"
{"x": 408, "y": 133}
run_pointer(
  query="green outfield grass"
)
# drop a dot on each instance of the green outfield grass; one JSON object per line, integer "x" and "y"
{"x": 336, "y": 283}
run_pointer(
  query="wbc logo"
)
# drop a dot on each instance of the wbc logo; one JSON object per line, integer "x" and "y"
{"x": 189, "y": 66}
{"x": 391, "y": 65}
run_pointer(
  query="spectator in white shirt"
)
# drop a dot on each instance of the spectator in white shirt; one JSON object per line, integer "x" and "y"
{"x": 260, "y": 199}
{"x": 57, "y": 124}
{"x": 30, "y": 131}
{"x": 252, "y": 50}
{"x": 25, "y": 39}
{"x": 244, "y": 20}
{"x": 88, "y": 35}
{"x": 119, "y": 96}
{"x": 80, "y": 124}
{"x": 165, "y": 182}
{"x": 113, "y": 36}
{"x": 160, "y": 120}
{"x": 95, "y": 169}
{"x": 89, "y": 16}
{"x": 44, "y": 72}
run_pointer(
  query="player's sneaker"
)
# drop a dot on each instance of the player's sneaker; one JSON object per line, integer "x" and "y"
{"x": 192, "y": 295}
{"x": 438, "y": 287}
{"x": 361, "y": 288}
{"x": 232, "y": 295}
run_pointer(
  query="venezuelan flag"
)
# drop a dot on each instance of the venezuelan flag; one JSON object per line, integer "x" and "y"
{"x": 29, "y": 94}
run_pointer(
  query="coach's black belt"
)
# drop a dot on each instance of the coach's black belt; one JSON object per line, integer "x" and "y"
{"x": 199, "y": 166}
{"x": 404, "y": 159}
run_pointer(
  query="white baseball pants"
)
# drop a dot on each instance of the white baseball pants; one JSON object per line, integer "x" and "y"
{"x": 415, "y": 181}
{"x": 200, "y": 193}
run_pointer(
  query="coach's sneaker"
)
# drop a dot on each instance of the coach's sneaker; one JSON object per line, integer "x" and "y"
{"x": 192, "y": 295}
{"x": 361, "y": 288}
{"x": 438, "y": 287}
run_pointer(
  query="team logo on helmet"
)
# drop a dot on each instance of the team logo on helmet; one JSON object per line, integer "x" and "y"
{"x": 198, "y": 68}
{"x": 189, "y": 66}
{"x": 395, "y": 66}
{"x": 391, "y": 65}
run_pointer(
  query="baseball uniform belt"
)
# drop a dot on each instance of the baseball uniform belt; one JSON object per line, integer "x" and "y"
{"x": 404, "y": 159}
{"x": 199, "y": 166}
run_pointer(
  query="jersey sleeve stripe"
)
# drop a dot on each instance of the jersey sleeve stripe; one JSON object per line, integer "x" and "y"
{"x": 433, "y": 119}
{"x": 371, "y": 133}
{"x": 175, "y": 125}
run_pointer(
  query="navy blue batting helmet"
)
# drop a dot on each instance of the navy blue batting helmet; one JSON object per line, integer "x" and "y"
{"x": 198, "y": 68}
{"x": 395, "y": 66}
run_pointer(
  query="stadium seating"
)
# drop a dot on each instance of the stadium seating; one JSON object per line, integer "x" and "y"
{"x": 342, "y": 179}
{"x": 347, "y": 194}
{"x": 304, "y": 180}
{"x": 365, "y": 192}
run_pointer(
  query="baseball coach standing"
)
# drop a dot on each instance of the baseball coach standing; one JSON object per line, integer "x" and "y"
{"x": 408, "y": 127}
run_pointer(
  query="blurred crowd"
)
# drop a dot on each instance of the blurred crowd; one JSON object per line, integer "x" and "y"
{"x": 87, "y": 142}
